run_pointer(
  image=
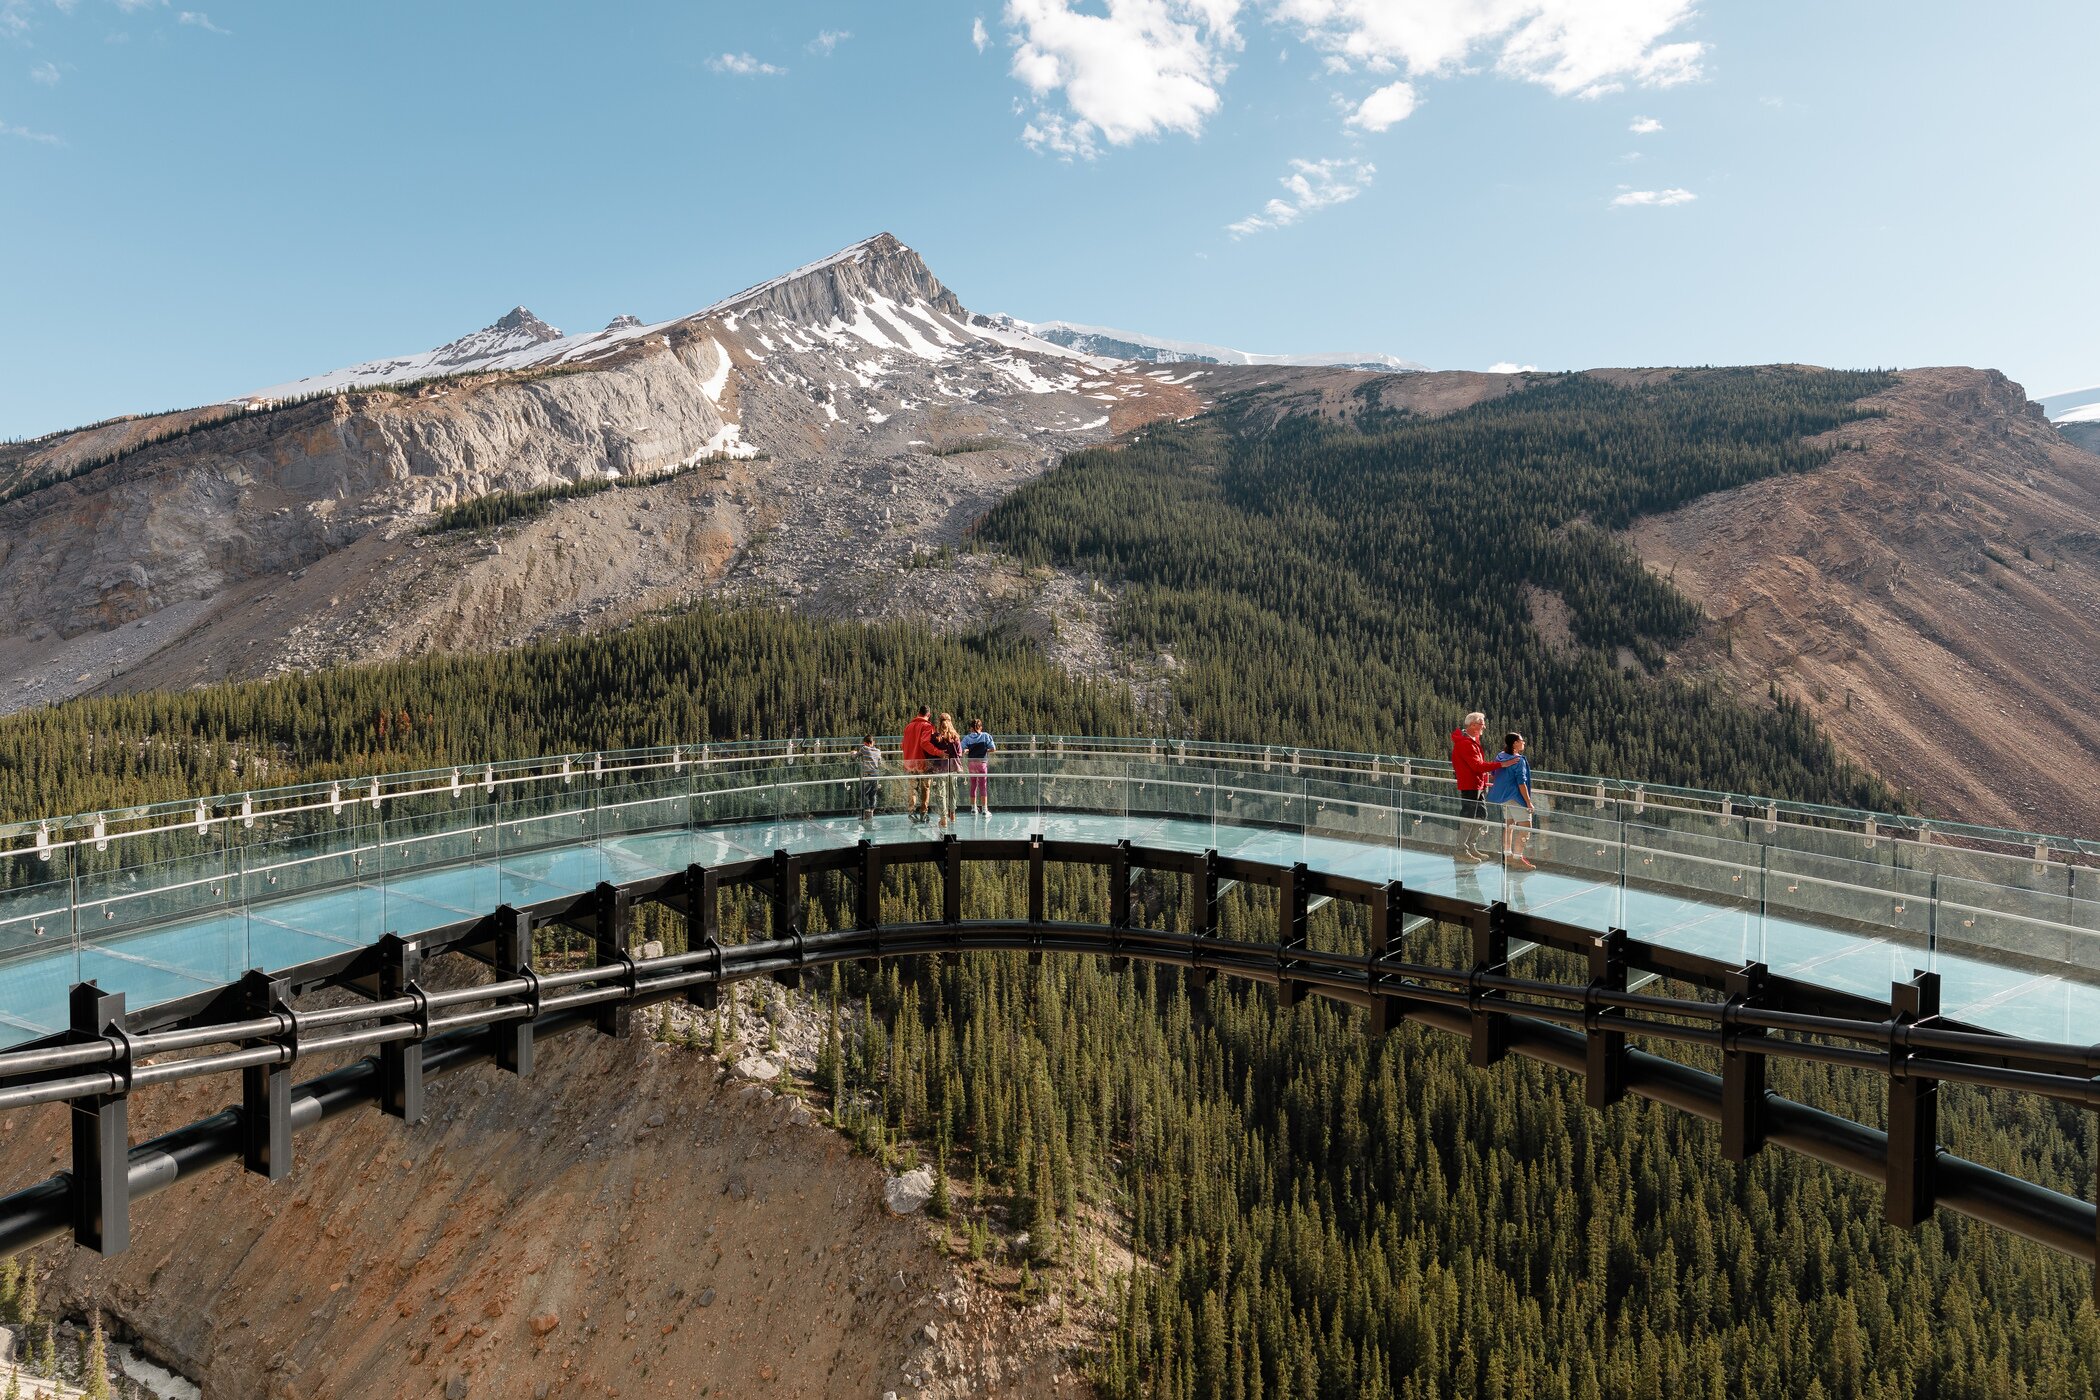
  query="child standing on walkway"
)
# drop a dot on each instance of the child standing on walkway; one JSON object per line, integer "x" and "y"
{"x": 977, "y": 749}
{"x": 870, "y": 776}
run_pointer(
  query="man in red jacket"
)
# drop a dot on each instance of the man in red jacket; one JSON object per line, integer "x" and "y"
{"x": 1472, "y": 770}
{"x": 913, "y": 752}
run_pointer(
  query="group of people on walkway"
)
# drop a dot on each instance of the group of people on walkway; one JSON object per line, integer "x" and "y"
{"x": 935, "y": 755}
{"x": 1502, "y": 782}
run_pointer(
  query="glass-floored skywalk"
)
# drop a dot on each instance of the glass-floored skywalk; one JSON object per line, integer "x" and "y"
{"x": 163, "y": 903}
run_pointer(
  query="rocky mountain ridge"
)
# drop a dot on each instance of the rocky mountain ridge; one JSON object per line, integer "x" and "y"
{"x": 852, "y": 410}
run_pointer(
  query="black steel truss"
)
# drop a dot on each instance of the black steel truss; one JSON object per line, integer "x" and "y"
{"x": 413, "y": 1034}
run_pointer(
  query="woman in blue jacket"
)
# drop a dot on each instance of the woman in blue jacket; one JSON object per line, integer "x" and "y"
{"x": 1512, "y": 793}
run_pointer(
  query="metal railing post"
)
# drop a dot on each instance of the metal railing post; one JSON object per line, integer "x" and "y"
{"x": 101, "y": 1123}
{"x": 1490, "y": 954}
{"x": 612, "y": 945}
{"x": 1914, "y": 1107}
{"x": 1604, "y": 1069}
{"x": 401, "y": 1061}
{"x": 513, "y": 1040}
{"x": 703, "y": 929}
{"x": 266, "y": 1090}
{"x": 1742, "y": 1066}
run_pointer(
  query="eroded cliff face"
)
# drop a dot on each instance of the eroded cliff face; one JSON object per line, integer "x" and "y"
{"x": 625, "y": 1222}
{"x": 1933, "y": 599}
{"x": 842, "y": 417}
{"x": 272, "y": 492}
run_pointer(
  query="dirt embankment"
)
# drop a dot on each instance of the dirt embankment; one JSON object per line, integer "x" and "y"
{"x": 629, "y": 1221}
{"x": 1933, "y": 598}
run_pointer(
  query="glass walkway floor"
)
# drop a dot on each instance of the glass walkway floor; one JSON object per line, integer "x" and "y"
{"x": 164, "y": 903}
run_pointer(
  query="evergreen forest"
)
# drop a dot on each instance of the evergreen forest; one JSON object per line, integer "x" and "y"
{"x": 1309, "y": 1213}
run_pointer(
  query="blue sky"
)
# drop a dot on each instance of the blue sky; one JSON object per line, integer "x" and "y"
{"x": 198, "y": 202}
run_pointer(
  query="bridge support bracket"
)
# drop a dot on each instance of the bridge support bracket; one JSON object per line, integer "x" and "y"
{"x": 787, "y": 913}
{"x": 703, "y": 929}
{"x": 266, "y": 1090}
{"x": 513, "y": 960}
{"x": 1742, "y": 1067}
{"x": 1387, "y": 1012}
{"x": 1490, "y": 954}
{"x": 1914, "y": 1107}
{"x": 1118, "y": 904}
{"x": 1038, "y": 899}
{"x": 1604, "y": 1071}
{"x": 612, "y": 939}
{"x": 1293, "y": 898}
{"x": 401, "y": 1061}
{"x": 951, "y": 891}
{"x": 101, "y": 1184}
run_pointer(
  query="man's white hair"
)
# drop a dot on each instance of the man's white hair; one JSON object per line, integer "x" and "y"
{"x": 1476, "y": 718}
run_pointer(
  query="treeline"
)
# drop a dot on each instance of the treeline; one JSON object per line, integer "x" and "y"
{"x": 710, "y": 674}
{"x": 1360, "y": 587}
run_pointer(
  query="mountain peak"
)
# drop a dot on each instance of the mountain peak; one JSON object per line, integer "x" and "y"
{"x": 834, "y": 287}
{"x": 516, "y": 329}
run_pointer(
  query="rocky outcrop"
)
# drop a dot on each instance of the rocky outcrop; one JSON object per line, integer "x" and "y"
{"x": 826, "y": 407}
{"x": 626, "y": 1221}
{"x": 1933, "y": 598}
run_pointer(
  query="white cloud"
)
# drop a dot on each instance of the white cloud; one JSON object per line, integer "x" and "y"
{"x": 1510, "y": 367}
{"x": 978, "y": 36}
{"x": 743, "y": 65}
{"x": 1635, "y": 198}
{"x": 1312, "y": 185}
{"x": 1395, "y": 102}
{"x": 14, "y": 18}
{"x": 23, "y": 133}
{"x": 829, "y": 39}
{"x": 1645, "y": 126}
{"x": 1572, "y": 47}
{"x": 1142, "y": 68}
{"x": 134, "y": 6}
{"x": 197, "y": 19}
{"x": 45, "y": 73}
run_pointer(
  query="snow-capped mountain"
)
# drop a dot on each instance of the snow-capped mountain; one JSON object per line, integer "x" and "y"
{"x": 2073, "y": 406}
{"x": 841, "y": 416}
{"x": 1152, "y": 349}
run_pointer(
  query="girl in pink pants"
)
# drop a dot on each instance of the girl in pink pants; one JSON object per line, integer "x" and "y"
{"x": 977, "y": 749}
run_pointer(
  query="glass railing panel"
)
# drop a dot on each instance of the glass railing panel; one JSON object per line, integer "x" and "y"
{"x": 1847, "y": 925}
{"x": 432, "y": 865}
{"x": 1578, "y": 860}
{"x": 1262, "y": 814}
{"x": 311, "y": 895}
{"x": 642, "y": 822}
{"x": 39, "y": 958}
{"x": 1706, "y": 902}
{"x": 1993, "y": 942}
{"x": 1352, "y": 829}
{"x": 1449, "y": 846}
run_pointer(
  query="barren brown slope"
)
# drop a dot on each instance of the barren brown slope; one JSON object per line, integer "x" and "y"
{"x": 1933, "y": 599}
{"x": 619, "y": 1224}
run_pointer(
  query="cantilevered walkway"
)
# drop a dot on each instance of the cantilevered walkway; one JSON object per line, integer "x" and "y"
{"x": 169, "y": 941}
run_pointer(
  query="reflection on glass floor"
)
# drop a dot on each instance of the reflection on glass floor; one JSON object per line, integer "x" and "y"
{"x": 187, "y": 955}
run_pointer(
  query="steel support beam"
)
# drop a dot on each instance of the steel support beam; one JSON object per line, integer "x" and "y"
{"x": 266, "y": 1090}
{"x": 513, "y": 959}
{"x": 703, "y": 929}
{"x": 1490, "y": 954}
{"x": 951, "y": 889}
{"x": 1293, "y": 893}
{"x": 612, "y": 945}
{"x": 1038, "y": 898}
{"x": 1604, "y": 1078}
{"x": 1742, "y": 1067}
{"x": 401, "y": 1061}
{"x": 1118, "y": 903}
{"x": 787, "y": 911}
{"x": 1914, "y": 1109}
{"x": 1384, "y": 907}
{"x": 101, "y": 1184}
